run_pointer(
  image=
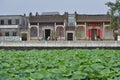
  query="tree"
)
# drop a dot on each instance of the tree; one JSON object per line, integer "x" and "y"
{"x": 54, "y": 35}
{"x": 114, "y": 12}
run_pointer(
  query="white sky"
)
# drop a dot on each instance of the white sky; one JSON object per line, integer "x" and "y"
{"x": 17, "y": 7}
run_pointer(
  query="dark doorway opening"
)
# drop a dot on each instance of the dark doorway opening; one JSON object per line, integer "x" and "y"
{"x": 47, "y": 33}
{"x": 24, "y": 36}
{"x": 93, "y": 34}
{"x": 69, "y": 36}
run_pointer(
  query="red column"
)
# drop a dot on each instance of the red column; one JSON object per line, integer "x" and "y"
{"x": 88, "y": 33}
{"x": 100, "y": 32}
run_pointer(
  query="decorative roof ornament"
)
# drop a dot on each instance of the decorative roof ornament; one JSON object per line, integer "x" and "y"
{"x": 50, "y": 13}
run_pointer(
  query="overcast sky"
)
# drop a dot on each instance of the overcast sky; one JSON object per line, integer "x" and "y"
{"x": 19, "y": 7}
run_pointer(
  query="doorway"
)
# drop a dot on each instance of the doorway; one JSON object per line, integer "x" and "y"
{"x": 47, "y": 33}
{"x": 24, "y": 36}
{"x": 93, "y": 34}
{"x": 69, "y": 36}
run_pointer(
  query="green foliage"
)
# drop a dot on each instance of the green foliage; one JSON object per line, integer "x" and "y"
{"x": 54, "y": 35}
{"x": 64, "y": 64}
{"x": 115, "y": 13}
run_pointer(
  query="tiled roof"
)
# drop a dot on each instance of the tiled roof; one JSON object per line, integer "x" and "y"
{"x": 47, "y": 18}
{"x": 79, "y": 18}
{"x": 11, "y": 16}
{"x": 92, "y": 18}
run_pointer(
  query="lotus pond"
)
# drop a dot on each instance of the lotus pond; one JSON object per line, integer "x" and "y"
{"x": 76, "y": 64}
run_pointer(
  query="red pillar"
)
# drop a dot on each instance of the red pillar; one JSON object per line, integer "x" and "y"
{"x": 88, "y": 33}
{"x": 100, "y": 32}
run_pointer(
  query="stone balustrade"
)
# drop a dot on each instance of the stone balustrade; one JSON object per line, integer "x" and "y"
{"x": 61, "y": 44}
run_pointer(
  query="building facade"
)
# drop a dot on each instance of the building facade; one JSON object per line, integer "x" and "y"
{"x": 13, "y": 28}
{"x": 54, "y": 26}
{"x": 94, "y": 26}
{"x": 70, "y": 27}
{"x": 47, "y": 25}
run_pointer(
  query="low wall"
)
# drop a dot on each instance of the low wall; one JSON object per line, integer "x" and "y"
{"x": 10, "y": 38}
{"x": 61, "y": 44}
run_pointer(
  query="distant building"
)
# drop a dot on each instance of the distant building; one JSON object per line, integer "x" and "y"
{"x": 46, "y": 25}
{"x": 69, "y": 26}
{"x": 91, "y": 26}
{"x": 13, "y": 27}
{"x": 52, "y": 25}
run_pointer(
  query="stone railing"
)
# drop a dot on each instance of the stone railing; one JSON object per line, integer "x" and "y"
{"x": 61, "y": 44}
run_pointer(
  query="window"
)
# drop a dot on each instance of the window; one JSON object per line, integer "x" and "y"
{"x": 6, "y": 33}
{"x": 9, "y": 22}
{"x": 33, "y": 32}
{"x": 14, "y": 33}
{"x": 71, "y": 20}
{"x": 107, "y": 23}
{"x": 80, "y": 23}
{"x": 17, "y": 21}
{"x": 23, "y": 22}
{"x": 59, "y": 23}
{"x": 0, "y": 33}
{"x": 2, "y": 22}
{"x": 60, "y": 31}
{"x": 33, "y": 23}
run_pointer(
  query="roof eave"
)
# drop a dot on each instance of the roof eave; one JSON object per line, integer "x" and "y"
{"x": 93, "y": 20}
{"x": 46, "y": 21}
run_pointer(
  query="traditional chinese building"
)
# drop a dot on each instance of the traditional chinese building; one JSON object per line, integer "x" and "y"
{"x": 47, "y": 25}
{"x": 69, "y": 26}
{"x": 54, "y": 26}
{"x": 91, "y": 26}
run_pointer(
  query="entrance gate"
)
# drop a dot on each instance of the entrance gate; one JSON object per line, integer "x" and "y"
{"x": 69, "y": 36}
{"x": 93, "y": 34}
{"x": 24, "y": 36}
{"x": 47, "y": 33}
